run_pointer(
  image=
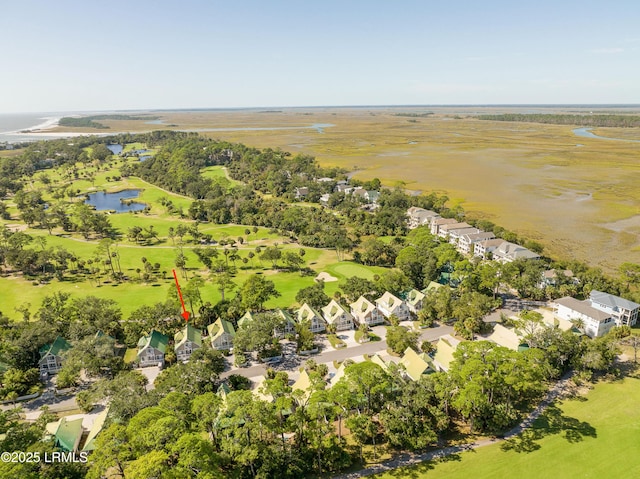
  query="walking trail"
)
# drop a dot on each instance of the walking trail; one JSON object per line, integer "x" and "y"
{"x": 409, "y": 459}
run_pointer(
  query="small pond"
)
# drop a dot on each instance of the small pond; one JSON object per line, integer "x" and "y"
{"x": 115, "y": 149}
{"x": 115, "y": 201}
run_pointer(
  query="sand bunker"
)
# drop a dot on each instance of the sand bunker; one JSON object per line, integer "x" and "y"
{"x": 326, "y": 277}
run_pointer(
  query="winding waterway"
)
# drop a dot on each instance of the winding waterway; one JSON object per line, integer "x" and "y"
{"x": 586, "y": 133}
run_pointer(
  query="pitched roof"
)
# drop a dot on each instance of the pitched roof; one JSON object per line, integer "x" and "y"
{"x": 220, "y": 327}
{"x": 333, "y": 310}
{"x": 505, "y": 337}
{"x": 583, "y": 307}
{"x": 377, "y": 359}
{"x": 307, "y": 312}
{"x": 614, "y": 302}
{"x": 432, "y": 286}
{"x": 414, "y": 296}
{"x": 444, "y": 351}
{"x": 362, "y": 306}
{"x": 475, "y": 237}
{"x": 246, "y": 318}
{"x": 59, "y": 346}
{"x": 154, "y": 340}
{"x": 444, "y": 221}
{"x": 98, "y": 424}
{"x": 414, "y": 364}
{"x": 68, "y": 434}
{"x": 188, "y": 333}
{"x": 388, "y": 299}
{"x": 303, "y": 383}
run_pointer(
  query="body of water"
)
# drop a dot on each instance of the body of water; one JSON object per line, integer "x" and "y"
{"x": 586, "y": 133}
{"x": 12, "y": 124}
{"x": 115, "y": 149}
{"x": 115, "y": 201}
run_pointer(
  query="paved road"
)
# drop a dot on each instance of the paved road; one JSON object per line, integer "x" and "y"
{"x": 292, "y": 361}
{"x": 411, "y": 459}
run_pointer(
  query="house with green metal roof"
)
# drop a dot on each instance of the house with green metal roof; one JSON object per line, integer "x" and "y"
{"x": 221, "y": 334}
{"x": 152, "y": 348}
{"x": 51, "y": 355}
{"x": 186, "y": 341}
{"x": 65, "y": 433}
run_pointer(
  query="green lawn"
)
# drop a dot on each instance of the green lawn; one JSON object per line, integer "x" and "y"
{"x": 596, "y": 436}
{"x": 218, "y": 172}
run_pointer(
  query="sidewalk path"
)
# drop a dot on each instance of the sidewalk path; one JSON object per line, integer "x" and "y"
{"x": 409, "y": 459}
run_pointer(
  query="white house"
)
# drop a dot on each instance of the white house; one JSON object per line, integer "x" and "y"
{"x": 364, "y": 311}
{"x": 623, "y": 311}
{"x": 445, "y": 229}
{"x": 420, "y": 216}
{"x": 467, "y": 240}
{"x": 221, "y": 334}
{"x": 596, "y": 323}
{"x": 307, "y": 313}
{"x": 415, "y": 300}
{"x": 484, "y": 249}
{"x": 151, "y": 349}
{"x": 51, "y": 355}
{"x": 335, "y": 313}
{"x": 389, "y": 304}
{"x": 437, "y": 223}
{"x": 186, "y": 342}
{"x": 508, "y": 252}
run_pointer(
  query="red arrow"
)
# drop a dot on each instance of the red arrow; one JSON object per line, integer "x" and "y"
{"x": 185, "y": 314}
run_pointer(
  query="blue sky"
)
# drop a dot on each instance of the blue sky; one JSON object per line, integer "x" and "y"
{"x": 138, "y": 54}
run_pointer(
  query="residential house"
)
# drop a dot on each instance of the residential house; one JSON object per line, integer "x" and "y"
{"x": 324, "y": 199}
{"x": 468, "y": 241}
{"x": 343, "y": 188}
{"x": 389, "y": 304}
{"x": 303, "y": 384}
{"x": 623, "y": 311}
{"x": 364, "y": 311}
{"x": 507, "y": 338}
{"x": 377, "y": 359}
{"x": 307, "y": 313}
{"x": 432, "y": 287}
{"x": 552, "y": 321}
{"x": 360, "y": 192}
{"x": 51, "y": 356}
{"x": 508, "y": 252}
{"x": 151, "y": 349}
{"x": 415, "y": 365}
{"x": 186, "y": 342}
{"x": 445, "y": 230}
{"x": 221, "y": 334}
{"x": 445, "y": 348}
{"x": 420, "y": 217}
{"x": 339, "y": 374}
{"x": 593, "y": 322}
{"x": 484, "y": 249}
{"x": 455, "y": 234}
{"x": 372, "y": 196}
{"x": 335, "y": 313}
{"x": 437, "y": 223}
{"x": 414, "y": 300}
{"x": 289, "y": 324}
{"x": 553, "y": 277}
{"x": 66, "y": 433}
{"x": 324, "y": 180}
{"x": 301, "y": 192}
{"x": 246, "y": 318}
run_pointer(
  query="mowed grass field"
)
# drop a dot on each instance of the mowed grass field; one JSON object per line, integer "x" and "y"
{"x": 595, "y": 436}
